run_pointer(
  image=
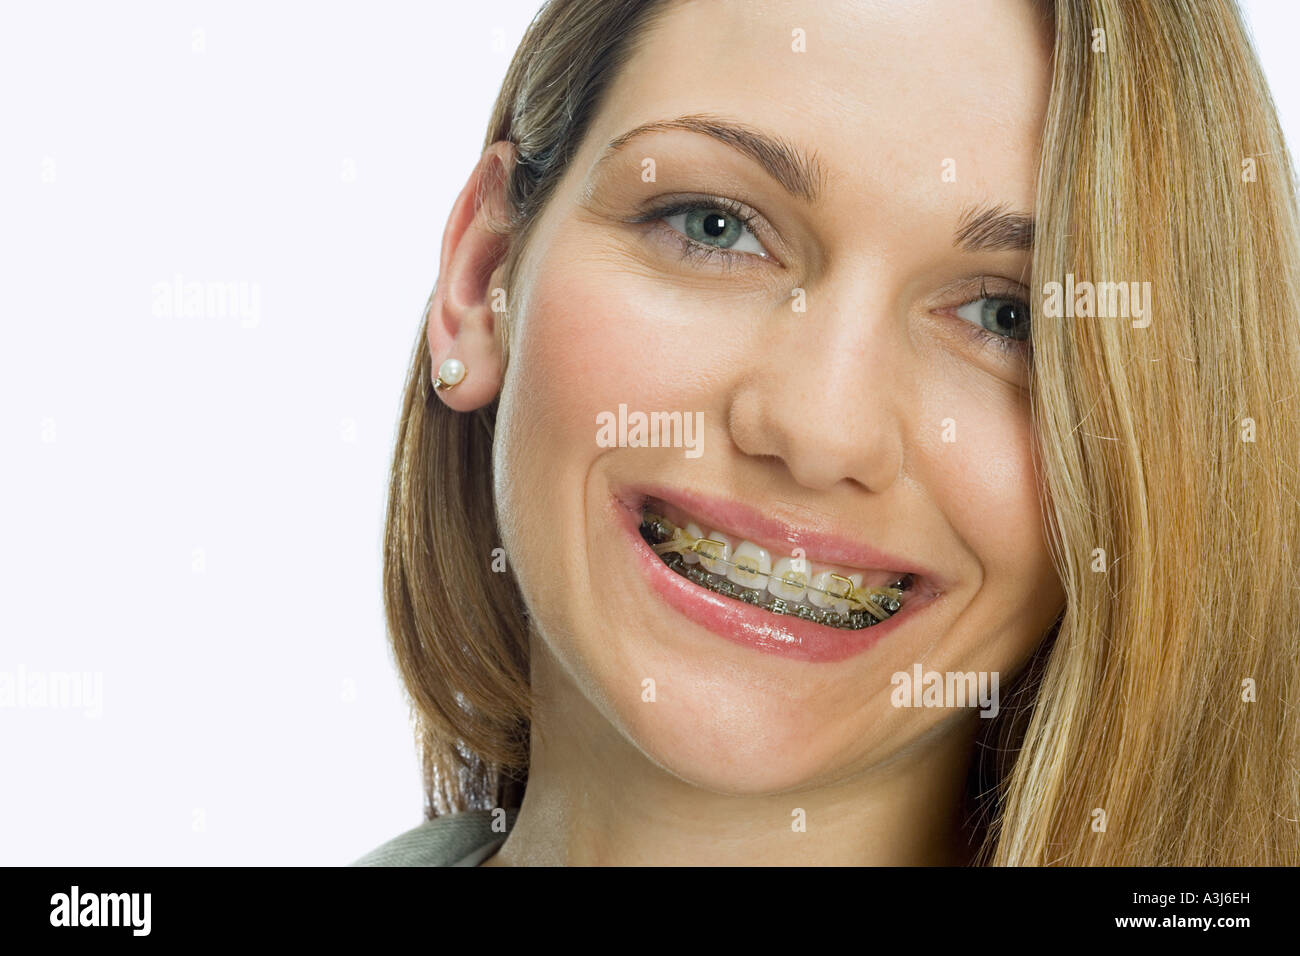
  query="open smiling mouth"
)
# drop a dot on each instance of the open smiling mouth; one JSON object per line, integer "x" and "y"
{"x": 795, "y": 587}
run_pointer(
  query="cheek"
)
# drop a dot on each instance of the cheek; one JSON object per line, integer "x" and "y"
{"x": 597, "y": 331}
{"x": 586, "y": 344}
{"x": 586, "y": 340}
{"x": 983, "y": 481}
{"x": 984, "y": 485}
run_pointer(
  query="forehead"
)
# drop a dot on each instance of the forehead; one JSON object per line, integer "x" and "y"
{"x": 883, "y": 93}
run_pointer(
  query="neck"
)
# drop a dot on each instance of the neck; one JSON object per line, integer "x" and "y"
{"x": 594, "y": 799}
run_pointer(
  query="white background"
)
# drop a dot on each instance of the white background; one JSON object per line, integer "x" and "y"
{"x": 191, "y": 508}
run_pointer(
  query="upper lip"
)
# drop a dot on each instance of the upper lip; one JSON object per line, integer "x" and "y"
{"x": 769, "y": 530}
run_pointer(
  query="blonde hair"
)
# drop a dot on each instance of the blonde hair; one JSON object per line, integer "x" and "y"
{"x": 1129, "y": 737}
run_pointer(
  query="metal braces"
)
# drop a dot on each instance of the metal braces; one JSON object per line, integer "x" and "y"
{"x": 879, "y": 603}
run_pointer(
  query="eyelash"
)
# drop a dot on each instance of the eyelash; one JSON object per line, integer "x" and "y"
{"x": 1004, "y": 345}
{"x": 691, "y": 250}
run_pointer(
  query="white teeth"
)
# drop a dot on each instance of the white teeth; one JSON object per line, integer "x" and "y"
{"x": 844, "y": 606}
{"x": 792, "y": 580}
{"x": 714, "y": 559}
{"x": 787, "y": 583}
{"x": 692, "y": 529}
{"x": 828, "y": 581}
{"x": 752, "y": 565}
{"x": 815, "y": 597}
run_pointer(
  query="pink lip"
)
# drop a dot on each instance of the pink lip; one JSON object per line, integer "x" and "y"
{"x": 738, "y": 519}
{"x": 743, "y": 623}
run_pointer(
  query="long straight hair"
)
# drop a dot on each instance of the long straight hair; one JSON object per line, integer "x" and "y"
{"x": 1156, "y": 723}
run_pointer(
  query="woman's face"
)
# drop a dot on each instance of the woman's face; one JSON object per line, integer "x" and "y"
{"x": 846, "y": 332}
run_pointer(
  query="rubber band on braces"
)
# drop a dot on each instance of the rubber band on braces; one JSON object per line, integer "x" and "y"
{"x": 683, "y": 543}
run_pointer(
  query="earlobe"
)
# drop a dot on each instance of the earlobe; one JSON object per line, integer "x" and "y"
{"x": 464, "y": 349}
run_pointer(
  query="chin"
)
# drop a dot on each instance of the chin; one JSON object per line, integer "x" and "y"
{"x": 736, "y": 751}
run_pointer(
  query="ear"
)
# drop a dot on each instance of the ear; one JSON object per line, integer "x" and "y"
{"x": 462, "y": 324}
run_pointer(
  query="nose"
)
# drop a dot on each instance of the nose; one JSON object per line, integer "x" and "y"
{"x": 824, "y": 397}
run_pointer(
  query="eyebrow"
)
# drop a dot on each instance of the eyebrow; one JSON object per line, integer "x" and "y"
{"x": 994, "y": 227}
{"x": 981, "y": 228}
{"x": 800, "y": 174}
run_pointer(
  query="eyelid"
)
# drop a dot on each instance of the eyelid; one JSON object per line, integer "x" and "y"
{"x": 1000, "y": 345}
{"x": 662, "y": 207}
{"x": 972, "y": 288}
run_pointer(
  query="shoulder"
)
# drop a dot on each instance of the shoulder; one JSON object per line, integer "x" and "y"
{"x": 458, "y": 839}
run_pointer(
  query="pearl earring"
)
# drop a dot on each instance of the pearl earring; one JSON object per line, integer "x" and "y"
{"x": 450, "y": 374}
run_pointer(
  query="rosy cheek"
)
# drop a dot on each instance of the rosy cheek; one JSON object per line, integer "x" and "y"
{"x": 593, "y": 339}
{"x": 983, "y": 480}
{"x": 569, "y": 354}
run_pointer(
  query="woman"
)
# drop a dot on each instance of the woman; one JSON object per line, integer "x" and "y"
{"x": 860, "y": 434}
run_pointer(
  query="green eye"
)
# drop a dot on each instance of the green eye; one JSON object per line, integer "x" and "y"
{"x": 715, "y": 227}
{"x": 1005, "y": 317}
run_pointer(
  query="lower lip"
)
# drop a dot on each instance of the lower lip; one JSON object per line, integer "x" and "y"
{"x": 746, "y": 624}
